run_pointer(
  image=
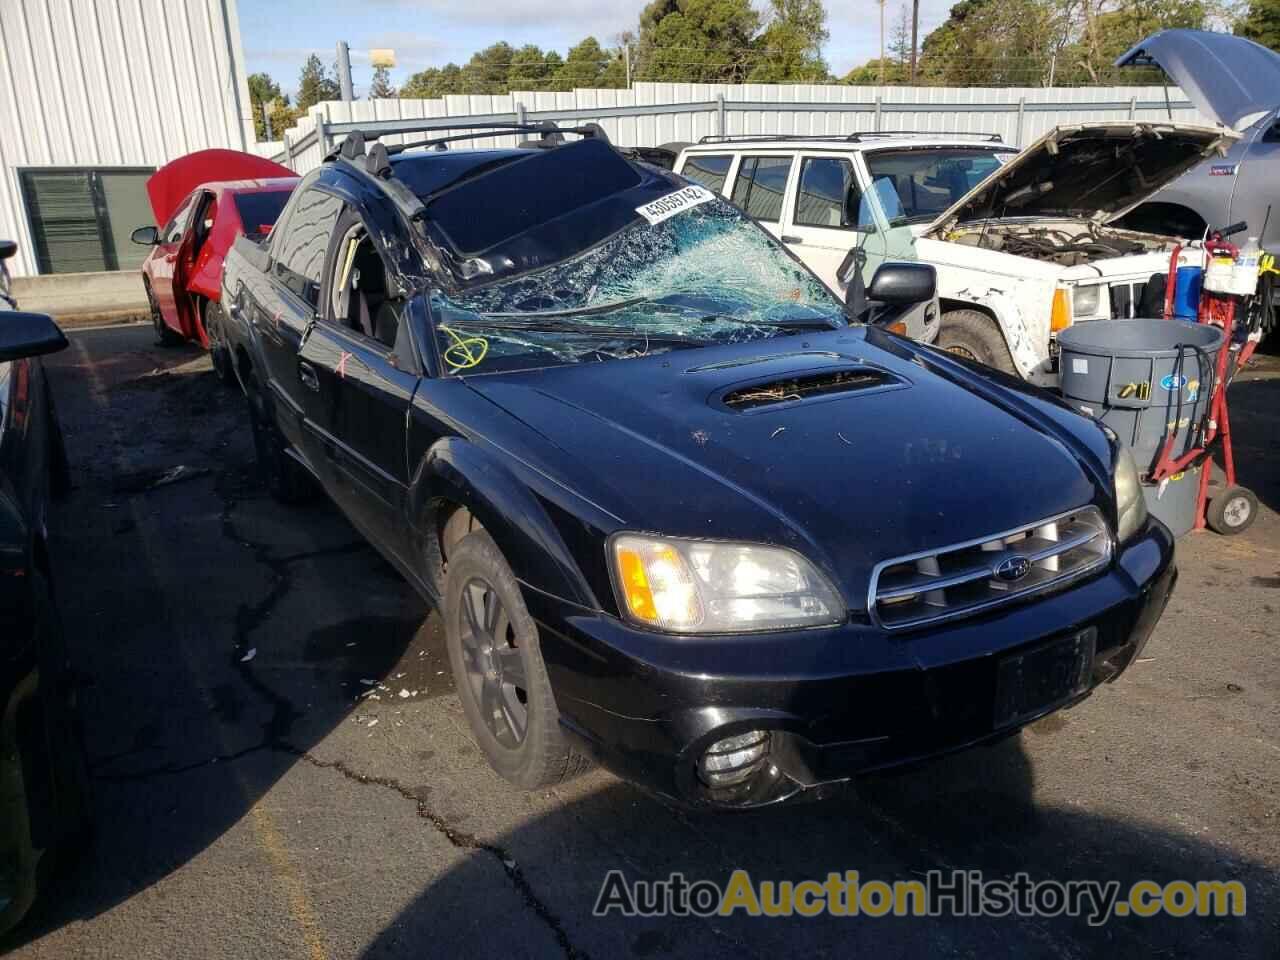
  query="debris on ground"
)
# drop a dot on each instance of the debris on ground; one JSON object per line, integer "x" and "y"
{"x": 145, "y": 480}
{"x": 253, "y": 652}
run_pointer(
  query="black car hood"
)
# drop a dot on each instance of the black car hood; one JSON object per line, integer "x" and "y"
{"x": 898, "y": 456}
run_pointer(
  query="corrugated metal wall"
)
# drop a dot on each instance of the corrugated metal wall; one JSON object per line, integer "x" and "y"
{"x": 1016, "y": 113}
{"x": 124, "y": 83}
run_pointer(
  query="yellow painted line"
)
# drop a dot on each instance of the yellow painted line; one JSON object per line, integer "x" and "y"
{"x": 300, "y": 910}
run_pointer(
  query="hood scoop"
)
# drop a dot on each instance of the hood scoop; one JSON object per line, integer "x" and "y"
{"x": 826, "y": 384}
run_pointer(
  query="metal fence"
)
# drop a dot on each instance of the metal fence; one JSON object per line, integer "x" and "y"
{"x": 651, "y": 114}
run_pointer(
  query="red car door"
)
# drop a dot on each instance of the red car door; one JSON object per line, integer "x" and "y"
{"x": 194, "y": 238}
{"x": 164, "y": 265}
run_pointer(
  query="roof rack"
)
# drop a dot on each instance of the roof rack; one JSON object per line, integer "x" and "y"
{"x": 845, "y": 137}
{"x": 375, "y": 160}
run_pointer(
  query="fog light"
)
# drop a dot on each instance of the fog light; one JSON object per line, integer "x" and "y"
{"x": 734, "y": 760}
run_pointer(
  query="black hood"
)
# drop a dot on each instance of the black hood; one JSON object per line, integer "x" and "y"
{"x": 851, "y": 447}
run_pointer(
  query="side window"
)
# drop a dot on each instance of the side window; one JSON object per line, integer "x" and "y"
{"x": 829, "y": 195}
{"x": 172, "y": 232}
{"x": 360, "y": 297}
{"x": 708, "y": 171}
{"x": 305, "y": 242}
{"x": 760, "y": 186}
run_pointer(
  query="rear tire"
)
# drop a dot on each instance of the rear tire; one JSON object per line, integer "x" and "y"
{"x": 498, "y": 668}
{"x": 214, "y": 320}
{"x": 1232, "y": 511}
{"x": 288, "y": 481}
{"x": 165, "y": 337}
{"x": 974, "y": 336}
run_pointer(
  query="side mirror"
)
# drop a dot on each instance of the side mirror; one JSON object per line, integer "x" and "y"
{"x": 902, "y": 284}
{"x": 7, "y": 249}
{"x": 28, "y": 335}
{"x": 147, "y": 236}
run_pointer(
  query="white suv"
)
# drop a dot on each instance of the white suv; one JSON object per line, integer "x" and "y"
{"x": 1020, "y": 240}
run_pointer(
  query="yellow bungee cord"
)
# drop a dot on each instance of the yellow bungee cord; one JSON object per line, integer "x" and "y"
{"x": 465, "y": 352}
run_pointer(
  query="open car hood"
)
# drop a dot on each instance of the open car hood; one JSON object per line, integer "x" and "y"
{"x": 171, "y": 184}
{"x": 1233, "y": 80}
{"x": 1096, "y": 171}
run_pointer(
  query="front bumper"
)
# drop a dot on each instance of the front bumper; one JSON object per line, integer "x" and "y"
{"x": 837, "y": 701}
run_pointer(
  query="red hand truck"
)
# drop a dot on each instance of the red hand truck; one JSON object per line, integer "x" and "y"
{"x": 1232, "y": 508}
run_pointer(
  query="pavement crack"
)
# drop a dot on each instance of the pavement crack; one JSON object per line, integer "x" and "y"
{"x": 464, "y": 841}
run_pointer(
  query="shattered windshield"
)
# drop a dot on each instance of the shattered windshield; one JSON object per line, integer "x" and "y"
{"x": 706, "y": 275}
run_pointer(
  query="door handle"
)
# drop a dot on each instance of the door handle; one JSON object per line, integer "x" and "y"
{"x": 787, "y": 239}
{"x": 307, "y": 374}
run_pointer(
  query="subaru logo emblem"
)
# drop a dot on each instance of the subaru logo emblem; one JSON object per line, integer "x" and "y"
{"x": 1012, "y": 569}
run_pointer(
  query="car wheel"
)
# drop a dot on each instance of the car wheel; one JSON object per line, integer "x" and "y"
{"x": 1232, "y": 511}
{"x": 165, "y": 337}
{"x": 213, "y": 319}
{"x": 974, "y": 336}
{"x": 288, "y": 481}
{"x": 498, "y": 668}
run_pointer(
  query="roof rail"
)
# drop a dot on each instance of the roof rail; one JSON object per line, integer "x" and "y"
{"x": 844, "y": 137}
{"x": 873, "y": 134}
{"x": 375, "y": 161}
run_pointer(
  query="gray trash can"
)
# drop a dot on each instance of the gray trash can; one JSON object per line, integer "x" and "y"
{"x": 1143, "y": 379}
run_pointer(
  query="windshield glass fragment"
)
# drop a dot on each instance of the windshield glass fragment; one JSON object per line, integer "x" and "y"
{"x": 705, "y": 276}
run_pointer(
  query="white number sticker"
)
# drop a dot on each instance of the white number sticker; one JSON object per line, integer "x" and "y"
{"x": 673, "y": 203}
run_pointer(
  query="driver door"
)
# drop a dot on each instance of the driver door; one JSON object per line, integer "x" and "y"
{"x": 164, "y": 265}
{"x": 193, "y": 240}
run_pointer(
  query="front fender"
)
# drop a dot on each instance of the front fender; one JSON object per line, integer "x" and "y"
{"x": 458, "y": 470}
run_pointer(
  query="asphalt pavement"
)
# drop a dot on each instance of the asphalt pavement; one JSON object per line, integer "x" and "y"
{"x": 282, "y": 768}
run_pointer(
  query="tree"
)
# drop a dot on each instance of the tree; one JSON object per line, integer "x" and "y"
{"x": 528, "y": 69}
{"x": 875, "y": 72}
{"x": 790, "y": 49}
{"x": 433, "y": 82}
{"x": 263, "y": 91}
{"x": 1261, "y": 23}
{"x": 380, "y": 88}
{"x": 583, "y": 66}
{"x": 487, "y": 70}
{"x": 696, "y": 40}
{"x": 315, "y": 83}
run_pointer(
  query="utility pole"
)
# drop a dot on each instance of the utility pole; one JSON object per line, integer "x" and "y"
{"x": 626, "y": 57}
{"x": 266, "y": 116}
{"x": 915, "y": 33}
{"x": 344, "y": 71}
{"x": 882, "y": 42}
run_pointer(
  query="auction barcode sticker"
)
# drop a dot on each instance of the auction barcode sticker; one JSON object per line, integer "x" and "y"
{"x": 665, "y": 207}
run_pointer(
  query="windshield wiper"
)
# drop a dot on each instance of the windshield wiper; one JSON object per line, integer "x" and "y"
{"x": 782, "y": 323}
{"x": 581, "y": 329}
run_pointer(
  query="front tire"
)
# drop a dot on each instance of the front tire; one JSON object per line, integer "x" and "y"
{"x": 974, "y": 336}
{"x": 498, "y": 668}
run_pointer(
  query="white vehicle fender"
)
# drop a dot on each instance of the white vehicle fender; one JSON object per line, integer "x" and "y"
{"x": 1019, "y": 331}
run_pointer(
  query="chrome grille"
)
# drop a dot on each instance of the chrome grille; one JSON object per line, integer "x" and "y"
{"x": 965, "y": 578}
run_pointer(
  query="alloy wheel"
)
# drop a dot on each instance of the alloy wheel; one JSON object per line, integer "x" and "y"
{"x": 494, "y": 667}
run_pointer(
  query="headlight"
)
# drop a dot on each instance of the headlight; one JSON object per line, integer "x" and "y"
{"x": 700, "y": 586}
{"x": 1084, "y": 300}
{"x": 1131, "y": 506}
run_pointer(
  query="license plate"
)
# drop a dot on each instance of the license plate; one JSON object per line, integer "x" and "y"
{"x": 1032, "y": 682}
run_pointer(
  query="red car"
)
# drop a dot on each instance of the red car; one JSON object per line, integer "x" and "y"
{"x": 205, "y": 200}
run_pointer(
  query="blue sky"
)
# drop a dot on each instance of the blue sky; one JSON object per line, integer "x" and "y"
{"x": 279, "y": 34}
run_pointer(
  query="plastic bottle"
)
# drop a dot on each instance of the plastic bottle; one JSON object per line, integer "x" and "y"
{"x": 1244, "y": 275}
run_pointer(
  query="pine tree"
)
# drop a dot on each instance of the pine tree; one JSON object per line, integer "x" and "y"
{"x": 315, "y": 84}
{"x": 381, "y": 88}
